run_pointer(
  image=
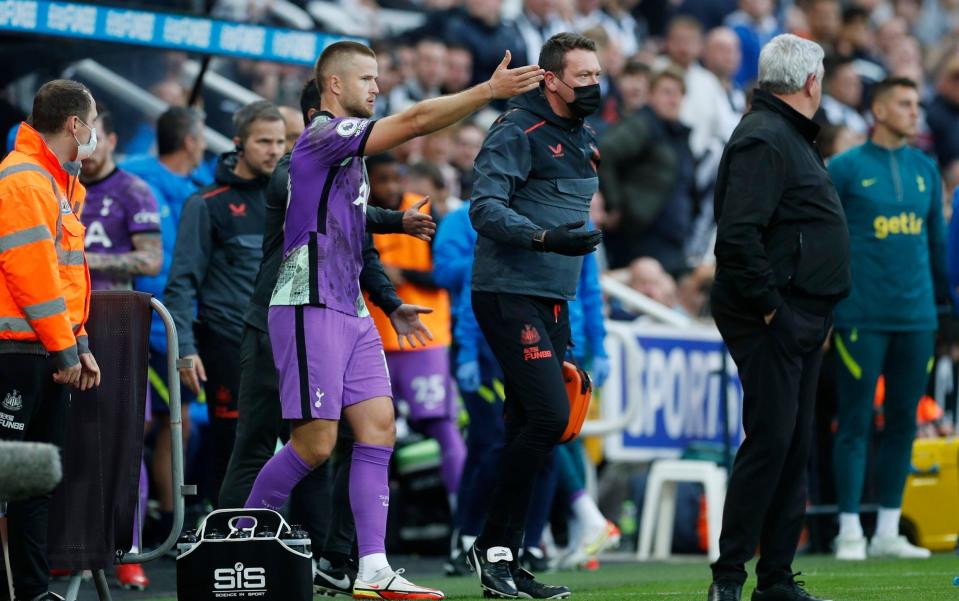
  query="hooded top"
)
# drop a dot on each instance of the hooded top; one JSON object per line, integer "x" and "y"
{"x": 217, "y": 255}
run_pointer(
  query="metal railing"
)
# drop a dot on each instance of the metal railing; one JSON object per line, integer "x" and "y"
{"x": 181, "y": 490}
{"x": 135, "y": 96}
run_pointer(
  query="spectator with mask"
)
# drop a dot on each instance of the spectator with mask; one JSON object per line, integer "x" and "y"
{"x": 180, "y": 144}
{"x": 646, "y": 177}
{"x": 842, "y": 96}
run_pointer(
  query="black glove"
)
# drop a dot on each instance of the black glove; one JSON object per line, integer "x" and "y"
{"x": 564, "y": 241}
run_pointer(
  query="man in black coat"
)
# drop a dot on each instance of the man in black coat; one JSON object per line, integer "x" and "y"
{"x": 782, "y": 263}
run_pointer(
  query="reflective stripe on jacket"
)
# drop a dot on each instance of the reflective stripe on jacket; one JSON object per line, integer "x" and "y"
{"x": 44, "y": 280}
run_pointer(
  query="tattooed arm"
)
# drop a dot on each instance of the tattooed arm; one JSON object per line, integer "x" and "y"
{"x": 146, "y": 258}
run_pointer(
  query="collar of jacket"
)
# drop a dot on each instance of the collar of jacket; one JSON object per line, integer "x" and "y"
{"x": 535, "y": 102}
{"x": 763, "y": 100}
{"x": 31, "y": 143}
{"x": 226, "y": 177}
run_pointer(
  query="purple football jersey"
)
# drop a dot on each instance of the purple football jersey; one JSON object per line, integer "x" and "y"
{"x": 117, "y": 207}
{"x": 326, "y": 217}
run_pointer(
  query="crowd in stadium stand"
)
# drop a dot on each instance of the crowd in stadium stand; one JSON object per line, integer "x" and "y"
{"x": 678, "y": 76}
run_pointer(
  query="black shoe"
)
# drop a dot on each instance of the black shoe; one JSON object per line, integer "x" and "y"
{"x": 534, "y": 560}
{"x": 48, "y": 597}
{"x": 456, "y": 565}
{"x": 787, "y": 590}
{"x": 492, "y": 568}
{"x": 723, "y": 590}
{"x": 530, "y": 588}
{"x": 333, "y": 580}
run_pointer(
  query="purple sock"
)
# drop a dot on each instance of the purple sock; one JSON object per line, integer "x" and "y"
{"x": 277, "y": 478}
{"x": 370, "y": 496}
{"x": 140, "y": 518}
{"x": 453, "y": 449}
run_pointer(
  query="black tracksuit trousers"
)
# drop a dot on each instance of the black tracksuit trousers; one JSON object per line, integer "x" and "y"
{"x": 529, "y": 337}
{"x": 33, "y": 409}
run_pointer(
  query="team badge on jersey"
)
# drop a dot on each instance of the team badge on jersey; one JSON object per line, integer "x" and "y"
{"x": 347, "y": 127}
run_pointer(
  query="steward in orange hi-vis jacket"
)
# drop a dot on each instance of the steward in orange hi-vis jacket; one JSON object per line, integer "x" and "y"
{"x": 44, "y": 281}
{"x": 44, "y": 299}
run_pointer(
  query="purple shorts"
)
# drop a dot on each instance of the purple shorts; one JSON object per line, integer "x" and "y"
{"x": 422, "y": 386}
{"x": 326, "y": 361}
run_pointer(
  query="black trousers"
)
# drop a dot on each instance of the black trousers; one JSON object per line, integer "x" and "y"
{"x": 259, "y": 426}
{"x": 766, "y": 499}
{"x": 221, "y": 358}
{"x": 529, "y": 337}
{"x": 32, "y": 408}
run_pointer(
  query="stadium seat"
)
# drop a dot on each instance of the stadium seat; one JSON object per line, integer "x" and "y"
{"x": 659, "y": 504}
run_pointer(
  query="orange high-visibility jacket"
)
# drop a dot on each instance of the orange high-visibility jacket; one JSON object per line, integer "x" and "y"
{"x": 407, "y": 252}
{"x": 44, "y": 280}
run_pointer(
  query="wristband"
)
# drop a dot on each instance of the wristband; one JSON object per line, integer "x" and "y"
{"x": 539, "y": 240}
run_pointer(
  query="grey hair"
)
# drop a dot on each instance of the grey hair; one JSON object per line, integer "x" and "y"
{"x": 787, "y": 61}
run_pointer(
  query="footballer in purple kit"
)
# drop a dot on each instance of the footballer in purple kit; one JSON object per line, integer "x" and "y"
{"x": 325, "y": 377}
{"x": 121, "y": 215}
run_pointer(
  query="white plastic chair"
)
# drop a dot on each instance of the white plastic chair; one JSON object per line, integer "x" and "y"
{"x": 659, "y": 504}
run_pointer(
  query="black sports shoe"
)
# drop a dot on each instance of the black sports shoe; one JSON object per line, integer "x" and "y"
{"x": 492, "y": 567}
{"x": 533, "y": 559}
{"x": 456, "y": 564}
{"x": 332, "y": 580}
{"x": 530, "y": 588}
{"x": 48, "y": 597}
{"x": 724, "y": 590}
{"x": 787, "y": 590}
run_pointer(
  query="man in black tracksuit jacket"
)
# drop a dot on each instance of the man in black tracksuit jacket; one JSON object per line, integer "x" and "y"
{"x": 535, "y": 178}
{"x": 782, "y": 263}
{"x": 260, "y": 422}
{"x": 211, "y": 275}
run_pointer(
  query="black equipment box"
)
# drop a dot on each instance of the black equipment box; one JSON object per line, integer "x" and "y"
{"x": 244, "y": 554}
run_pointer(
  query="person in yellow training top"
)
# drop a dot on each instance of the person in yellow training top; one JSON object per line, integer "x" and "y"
{"x": 44, "y": 300}
{"x": 420, "y": 378}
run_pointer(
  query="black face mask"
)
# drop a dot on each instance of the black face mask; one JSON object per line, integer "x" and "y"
{"x": 587, "y": 99}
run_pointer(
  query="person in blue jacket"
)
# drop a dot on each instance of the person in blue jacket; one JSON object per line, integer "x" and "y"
{"x": 181, "y": 146}
{"x": 480, "y": 384}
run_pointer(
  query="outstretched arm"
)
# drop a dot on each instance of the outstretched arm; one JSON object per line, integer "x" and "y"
{"x": 436, "y": 113}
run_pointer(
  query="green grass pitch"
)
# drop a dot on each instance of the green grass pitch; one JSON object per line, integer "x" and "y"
{"x": 874, "y": 580}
